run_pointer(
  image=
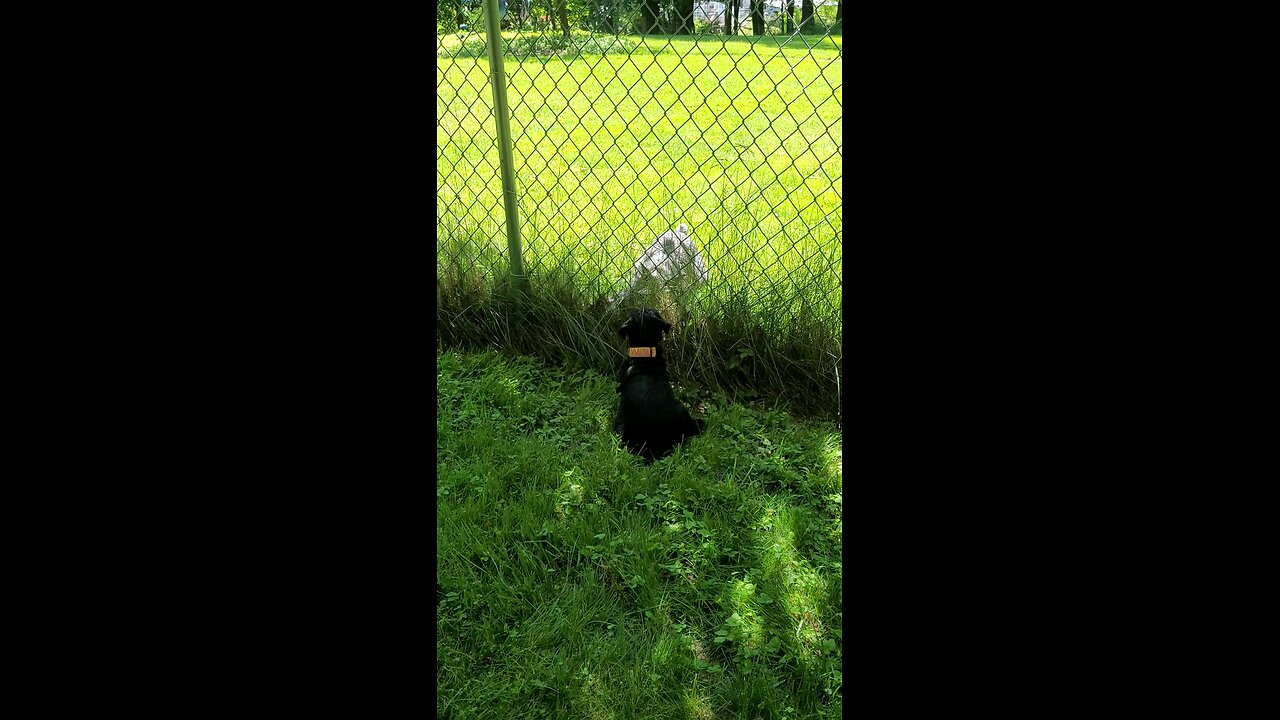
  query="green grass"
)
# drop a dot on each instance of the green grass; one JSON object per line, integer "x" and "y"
{"x": 618, "y": 139}
{"x": 739, "y": 140}
{"x": 575, "y": 582}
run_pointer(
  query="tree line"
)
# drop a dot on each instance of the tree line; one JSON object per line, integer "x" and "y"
{"x": 645, "y": 17}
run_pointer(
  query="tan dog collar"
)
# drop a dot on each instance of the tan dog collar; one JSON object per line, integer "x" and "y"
{"x": 644, "y": 352}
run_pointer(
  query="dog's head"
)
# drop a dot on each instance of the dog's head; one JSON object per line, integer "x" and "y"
{"x": 644, "y": 328}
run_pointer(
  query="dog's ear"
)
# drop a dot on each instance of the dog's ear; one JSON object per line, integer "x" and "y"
{"x": 651, "y": 315}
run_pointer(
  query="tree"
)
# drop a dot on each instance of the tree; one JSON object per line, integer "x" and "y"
{"x": 562, "y": 10}
{"x": 683, "y": 10}
{"x": 517, "y": 13}
{"x": 602, "y": 16}
{"x": 789, "y": 17}
{"x": 731, "y": 21}
{"x": 807, "y": 25}
{"x": 757, "y": 17}
{"x": 839, "y": 17}
{"x": 648, "y": 16}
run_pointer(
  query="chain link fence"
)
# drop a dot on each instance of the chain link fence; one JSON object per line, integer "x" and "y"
{"x": 719, "y": 125}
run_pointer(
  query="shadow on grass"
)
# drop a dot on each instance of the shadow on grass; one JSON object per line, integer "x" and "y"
{"x": 574, "y": 582}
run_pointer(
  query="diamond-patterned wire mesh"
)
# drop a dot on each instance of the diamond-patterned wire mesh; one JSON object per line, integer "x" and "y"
{"x": 620, "y": 135}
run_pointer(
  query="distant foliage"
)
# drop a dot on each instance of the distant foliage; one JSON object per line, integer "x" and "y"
{"x": 545, "y": 45}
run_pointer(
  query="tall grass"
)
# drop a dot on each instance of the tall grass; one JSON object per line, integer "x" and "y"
{"x": 738, "y": 140}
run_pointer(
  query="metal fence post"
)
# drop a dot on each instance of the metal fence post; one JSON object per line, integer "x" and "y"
{"x": 498, "y": 73}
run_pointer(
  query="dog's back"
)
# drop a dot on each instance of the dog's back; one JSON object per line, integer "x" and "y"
{"x": 650, "y": 419}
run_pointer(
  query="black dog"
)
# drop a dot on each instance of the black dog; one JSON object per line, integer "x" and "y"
{"x": 650, "y": 419}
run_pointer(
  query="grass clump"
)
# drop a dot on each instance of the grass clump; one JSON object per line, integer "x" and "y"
{"x": 718, "y": 343}
{"x": 535, "y": 45}
{"x": 572, "y": 581}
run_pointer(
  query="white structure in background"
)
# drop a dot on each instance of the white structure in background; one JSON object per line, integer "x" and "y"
{"x": 710, "y": 11}
{"x": 672, "y": 260}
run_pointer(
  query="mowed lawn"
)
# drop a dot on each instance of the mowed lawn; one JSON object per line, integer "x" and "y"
{"x": 574, "y": 582}
{"x": 739, "y": 139}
